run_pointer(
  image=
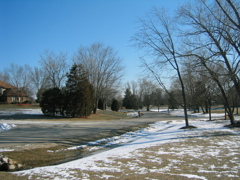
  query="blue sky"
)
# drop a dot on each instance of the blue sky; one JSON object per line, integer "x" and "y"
{"x": 29, "y": 27}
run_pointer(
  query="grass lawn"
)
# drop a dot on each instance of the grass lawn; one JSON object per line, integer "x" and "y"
{"x": 18, "y": 106}
{"x": 100, "y": 115}
{"x": 190, "y": 158}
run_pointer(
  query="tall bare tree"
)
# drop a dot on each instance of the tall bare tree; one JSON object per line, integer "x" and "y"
{"x": 147, "y": 89}
{"x": 158, "y": 98}
{"x": 39, "y": 81}
{"x": 158, "y": 36}
{"x": 104, "y": 68}
{"x": 213, "y": 30}
{"x": 55, "y": 67}
{"x": 19, "y": 76}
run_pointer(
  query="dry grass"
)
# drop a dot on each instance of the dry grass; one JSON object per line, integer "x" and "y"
{"x": 203, "y": 157}
{"x": 16, "y": 106}
{"x": 40, "y": 155}
{"x": 199, "y": 157}
{"x": 107, "y": 115}
{"x": 100, "y": 115}
{"x": 53, "y": 153}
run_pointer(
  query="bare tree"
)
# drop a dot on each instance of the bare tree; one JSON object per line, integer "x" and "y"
{"x": 158, "y": 36}
{"x": 104, "y": 69}
{"x": 134, "y": 87}
{"x": 39, "y": 81}
{"x": 158, "y": 98}
{"x": 55, "y": 67}
{"x": 213, "y": 31}
{"x": 4, "y": 76}
{"x": 19, "y": 76}
{"x": 147, "y": 89}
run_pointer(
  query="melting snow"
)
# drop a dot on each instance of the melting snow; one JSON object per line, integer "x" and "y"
{"x": 127, "y": 146}
{"x": 6, "y": 127}
{"x": 158, "y": 133}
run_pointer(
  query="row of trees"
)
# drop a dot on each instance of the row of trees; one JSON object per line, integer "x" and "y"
{"x": 144, "y": 93}
{"x": 200, "y": 42}
{"x": 102, "y": 64}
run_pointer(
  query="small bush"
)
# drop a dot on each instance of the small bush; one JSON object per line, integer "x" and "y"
{"x": 115, "y": 105}
{"x": 52, "y": 102}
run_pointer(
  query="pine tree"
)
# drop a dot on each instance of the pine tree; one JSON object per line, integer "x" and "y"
{"x": 78, "y": 93}
{"x": 130, "y": 100}
{"x": 115, "y": 105}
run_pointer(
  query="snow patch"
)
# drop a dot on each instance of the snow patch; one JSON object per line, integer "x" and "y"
{"x": 6, "y": 127}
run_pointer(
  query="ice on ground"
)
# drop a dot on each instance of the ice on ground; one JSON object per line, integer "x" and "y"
{"x": 6, "y": 150}
{"x": 127, "y": 144}
{"x": 157, "y": 134}
{"x": 134, "y": 114}
{"x": 180, "y": 112}
{"x": 6, "y": 126}
{"x": 20, "y": 111}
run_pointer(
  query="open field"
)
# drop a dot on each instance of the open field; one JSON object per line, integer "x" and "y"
{"x": 36, "y": 134}
{"x": 193, "y": 158}
{"x": 198, "y": 154}
{"x": 162, "y": 151}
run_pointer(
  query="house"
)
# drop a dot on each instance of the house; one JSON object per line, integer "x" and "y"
{"x": 10, "y": 94}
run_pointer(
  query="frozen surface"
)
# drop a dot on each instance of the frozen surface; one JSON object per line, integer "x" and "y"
{"x": 128, "y": 144}
{"x": 20, "y": 111}
{"x": 6, "y": 127}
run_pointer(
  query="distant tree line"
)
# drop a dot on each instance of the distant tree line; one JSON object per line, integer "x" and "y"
{"x": 95, "y": 74}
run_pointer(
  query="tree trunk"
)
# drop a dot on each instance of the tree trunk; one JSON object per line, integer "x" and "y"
{"x": 184, "y": 100}
{"x": 210, "y": 112}
{"x": 185, "y": 110}
{"x": 95, "y": 106}
{"x": 183, "y": 96}
{"x": 203, "y": 110}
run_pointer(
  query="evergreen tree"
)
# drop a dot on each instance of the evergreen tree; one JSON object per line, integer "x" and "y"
{"x": 101, "y": 104}
{"x": 130, "y": 100}
{"x": 52, "y": 102}
{"x": 115, "y": 105}
{"x": 79, "y": 93}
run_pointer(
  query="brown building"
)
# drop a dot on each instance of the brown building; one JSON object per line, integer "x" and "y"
{"x": 10, "y": 94}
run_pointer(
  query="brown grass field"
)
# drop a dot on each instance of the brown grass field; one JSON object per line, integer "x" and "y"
{"x": 148, "y": 163}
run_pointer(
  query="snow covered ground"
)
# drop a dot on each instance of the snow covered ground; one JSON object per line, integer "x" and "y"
{"x": 9, "y": 112}
{"x": 132, "y": 152}
{"x": 13, "y": 111}
{"x": 6, "y": 126}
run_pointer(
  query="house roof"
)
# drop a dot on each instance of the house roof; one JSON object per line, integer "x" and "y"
{"x": 13, "y": 92}
{"x": 5, "y": 85}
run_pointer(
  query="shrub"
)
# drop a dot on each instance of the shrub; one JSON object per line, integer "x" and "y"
{"x": 52, "y": 102}
{"x": 115, "y": 105}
